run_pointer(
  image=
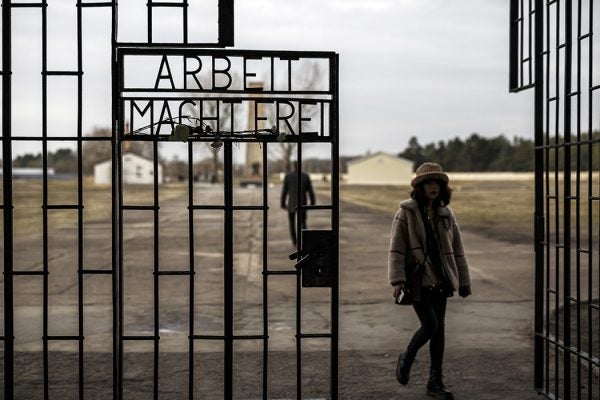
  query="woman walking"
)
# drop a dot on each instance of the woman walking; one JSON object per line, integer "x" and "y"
{"x": 427, "y": 264}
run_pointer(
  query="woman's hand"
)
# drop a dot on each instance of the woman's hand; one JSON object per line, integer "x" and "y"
{"x": 464, "y": 291}
{"x": 397, "y": 289}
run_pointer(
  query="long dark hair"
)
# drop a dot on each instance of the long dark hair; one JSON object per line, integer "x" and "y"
{"x": 443, "y": 199}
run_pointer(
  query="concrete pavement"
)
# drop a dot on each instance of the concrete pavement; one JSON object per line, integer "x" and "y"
{"x": 489, "y": 346}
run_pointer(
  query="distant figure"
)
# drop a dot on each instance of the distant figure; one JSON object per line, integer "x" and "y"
{"x": 427, "y": 264}
{"x": 289, "y": 197}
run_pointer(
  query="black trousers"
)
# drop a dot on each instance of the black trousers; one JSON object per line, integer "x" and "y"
{"x": 431, "y": 311}
{"x": 292, "y": 219}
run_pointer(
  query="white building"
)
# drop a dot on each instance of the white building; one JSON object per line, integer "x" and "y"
{"x": 30, "y": 173}
{"x": 136, "y": 169}
{"x": 380, "y": 169}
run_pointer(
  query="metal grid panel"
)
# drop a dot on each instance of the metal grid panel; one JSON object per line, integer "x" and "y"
{"x": 131, "y": 102}
{"x": 328, "y": 101}
{"x": 567, "y": 242}
{"x": 9, "y": 10}
{"x": 156, "y": 10}
{"x": 521, "y": 63}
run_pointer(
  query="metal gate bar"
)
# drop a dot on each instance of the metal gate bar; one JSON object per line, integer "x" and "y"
{"x": 335, "y": 223}
{"x": 298, "y": 276}
{"x": 228, "y": 270}
{"x": 192, "y": 268}
{"x": 7, "y": 204}
{"x": 265, "y": 272}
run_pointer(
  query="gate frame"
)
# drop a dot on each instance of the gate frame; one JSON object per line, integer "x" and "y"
{"x": 225, "y": 38}
{"x": 7, "y": 204}
{"x": 517, "y": 83}
{"x": 539, "y": 211}
{"x": 332, "y": 139}
{"x": 558, "y": 342}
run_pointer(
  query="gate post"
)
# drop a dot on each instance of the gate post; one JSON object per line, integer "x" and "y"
{"x": 117, "y": 217}
{"x": 7, "y": 200}
{"x": 539, "y": 199}
{"x": 228, "y": 270}
{"x": 567, "y": 200}
{"x": 335, "y": 224}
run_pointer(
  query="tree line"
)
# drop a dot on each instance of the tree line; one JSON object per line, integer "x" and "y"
{"x": 62, "y": 160}
{"x": 474, "y": 153}
{"x": 478, "y": 153}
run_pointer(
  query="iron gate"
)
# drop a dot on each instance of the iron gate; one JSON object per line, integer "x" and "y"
{"x": 159, "y": 106}
{"x": 553, "y": 49}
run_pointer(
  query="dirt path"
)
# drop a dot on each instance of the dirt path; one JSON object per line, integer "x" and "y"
{"x": 489, "y": 350}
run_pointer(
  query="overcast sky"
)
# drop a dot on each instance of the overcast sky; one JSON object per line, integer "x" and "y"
{"x": 430, "y": 68}
{"x": 434, "y": 69}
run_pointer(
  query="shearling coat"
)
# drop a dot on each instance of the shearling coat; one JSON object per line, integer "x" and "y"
{"x": 408, "y": 244}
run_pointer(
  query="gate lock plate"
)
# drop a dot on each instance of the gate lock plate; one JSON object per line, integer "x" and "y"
{"x": 317, "y": 261}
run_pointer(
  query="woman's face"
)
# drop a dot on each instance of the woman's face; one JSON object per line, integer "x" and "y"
{"x": 431, "y": 189}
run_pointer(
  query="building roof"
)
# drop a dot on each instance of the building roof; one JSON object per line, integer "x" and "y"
{"x": 359, "y": 160}
{"x": 29, "y": 171}
{"x": 129, "y": 153}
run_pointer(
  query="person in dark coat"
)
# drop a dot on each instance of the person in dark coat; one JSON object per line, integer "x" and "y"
{"x": 289, "y": 197}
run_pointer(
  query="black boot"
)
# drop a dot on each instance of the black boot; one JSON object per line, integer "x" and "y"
{"x": 436, "y": 387}
{"x": 403, "y": 368}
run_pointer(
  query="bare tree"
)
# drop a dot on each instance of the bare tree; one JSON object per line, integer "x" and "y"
{"x": 210, "y": 109}
{"x": 99, "y": 150}
{"x": 311, "y": 76}
{"x": 96, "y": 151}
